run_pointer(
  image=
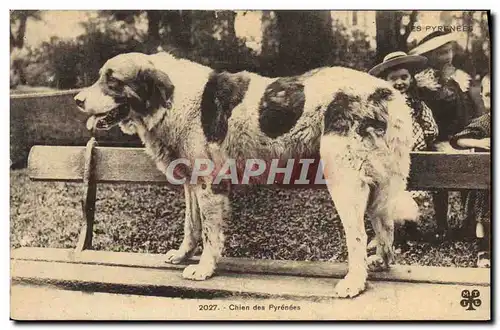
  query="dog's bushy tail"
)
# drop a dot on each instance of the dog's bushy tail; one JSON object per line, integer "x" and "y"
{"x": 403, "y": 208}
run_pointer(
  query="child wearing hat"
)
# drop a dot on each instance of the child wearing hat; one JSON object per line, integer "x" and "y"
{"x": 446, "y": 90}
{"x": 399, "y": 68}
{"x": 477, "y": 136}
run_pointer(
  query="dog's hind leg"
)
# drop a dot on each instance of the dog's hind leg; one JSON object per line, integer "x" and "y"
{"x": 383, "y": 226}
{"x": 389, "y": 203}
{"x": 192, "y": 229}
{"x": 215, "y": 210}
{"x": 349, "y": 191}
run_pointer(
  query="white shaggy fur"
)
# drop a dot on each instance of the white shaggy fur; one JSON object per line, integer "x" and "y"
{"x": 366, "y": 171}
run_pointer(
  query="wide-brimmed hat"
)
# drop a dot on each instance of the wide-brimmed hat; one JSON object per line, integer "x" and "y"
{"x": 432, "y": 41}
{"x": 398, "y": 59}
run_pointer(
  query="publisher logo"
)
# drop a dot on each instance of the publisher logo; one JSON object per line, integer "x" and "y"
{"x": 470, "y": 299}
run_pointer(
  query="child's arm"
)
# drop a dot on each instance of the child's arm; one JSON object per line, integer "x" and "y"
{"x": 428, "y": 124}
{"x": 474, "y": 143}
{"x": 475, "y": 135}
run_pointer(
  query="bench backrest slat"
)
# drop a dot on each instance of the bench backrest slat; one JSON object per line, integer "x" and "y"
{"x": 56, "y": 163}
{"x": 429, "y": 170}
{"x": 112, "y": 164}
{"x": 439, "y": 170}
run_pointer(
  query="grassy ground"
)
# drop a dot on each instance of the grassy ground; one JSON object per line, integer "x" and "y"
{"x": 266, "y": 223}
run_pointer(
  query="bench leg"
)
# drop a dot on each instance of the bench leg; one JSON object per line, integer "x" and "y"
{"x": 440, "y": 201}
{"x": 87, "y": 231}
{"x": 84, "y": 239}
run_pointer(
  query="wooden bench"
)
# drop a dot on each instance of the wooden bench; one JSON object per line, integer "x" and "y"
{"x": 84, "y": 269}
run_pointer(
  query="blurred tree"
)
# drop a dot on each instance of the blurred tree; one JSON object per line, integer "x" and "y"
{"x": 153, "y": 41}
{"x": 348, "y": 45}
{"x": 154, "y": 20}
{"x": 474, "y": 56}
{"x": 19, "y": 19}
{"x": 485, "y": 41}
{"x": 351, "y": 47}
{"x": 269, "y": 55}
{"x": 393, "y": 29}
{"x": 214, "y": 42}
{"x": 102, "y": 40}
{"x": 270, "y": 34}
{"x": 175, "y": 25}
{"x": 478, "y": 42}
{"x": 65, "y": 62}
{"x": 179, "y": 24}
{"x": 18, "y": 22}
{"x": 305, "y": 40}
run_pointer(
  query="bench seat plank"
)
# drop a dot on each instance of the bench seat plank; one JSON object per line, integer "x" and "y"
{"x": 400, "y": 273}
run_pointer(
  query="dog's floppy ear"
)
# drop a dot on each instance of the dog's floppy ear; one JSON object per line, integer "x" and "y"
{"x": 157, "y": 88}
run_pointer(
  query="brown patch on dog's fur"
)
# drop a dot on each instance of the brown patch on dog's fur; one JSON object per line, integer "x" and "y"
{"x": 339, "y": 114}
{"x": 223, "y": 92}
{"x": 281, "y": 106}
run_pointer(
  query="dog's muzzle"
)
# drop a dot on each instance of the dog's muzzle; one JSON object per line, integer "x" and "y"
{"x": 109, "y": 119}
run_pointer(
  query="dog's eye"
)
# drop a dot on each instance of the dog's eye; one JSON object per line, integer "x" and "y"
{"x": 115, "y": 84}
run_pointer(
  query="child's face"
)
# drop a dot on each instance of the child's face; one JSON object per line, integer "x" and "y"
{"x": 485, "y": 93}
{"x": 400, "y": 79}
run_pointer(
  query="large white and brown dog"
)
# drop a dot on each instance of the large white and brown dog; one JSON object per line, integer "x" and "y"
{"x": 358, "y": 124}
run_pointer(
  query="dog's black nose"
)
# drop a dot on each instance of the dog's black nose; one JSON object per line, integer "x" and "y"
{"x": 80, "y": 102}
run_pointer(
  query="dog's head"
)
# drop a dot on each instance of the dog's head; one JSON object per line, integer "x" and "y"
{"x": 128, "y": 84}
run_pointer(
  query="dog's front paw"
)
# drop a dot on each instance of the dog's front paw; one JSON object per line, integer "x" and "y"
{"x": 483, "y": 263}
{"x": 350, "y": 286}
{"x": 198, "y": 272}
{"x": 483, "y": 260}
{"x": 376, "y": 263}
{"x": 175, "y": 256}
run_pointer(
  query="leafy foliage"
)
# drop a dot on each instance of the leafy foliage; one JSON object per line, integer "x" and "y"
{"x": 75, "y": 63}
{"x": 288, "y": 45}
{"x": 352, "y": 50}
